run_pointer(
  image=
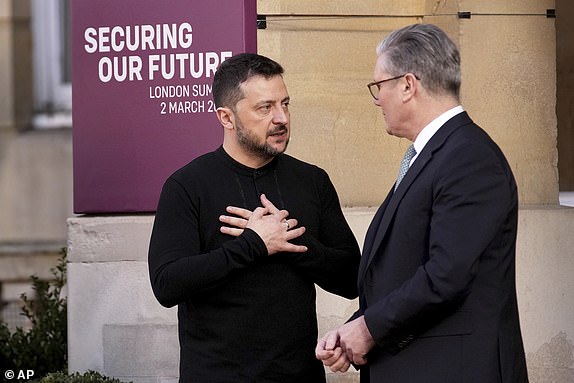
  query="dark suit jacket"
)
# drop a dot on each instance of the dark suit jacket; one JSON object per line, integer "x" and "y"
{"x": 437, "y": 276}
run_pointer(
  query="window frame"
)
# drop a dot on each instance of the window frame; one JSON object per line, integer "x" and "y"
{"x": 51, "y": 57}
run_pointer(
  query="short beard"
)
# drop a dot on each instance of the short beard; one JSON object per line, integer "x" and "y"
{"x": 251, "y": 144}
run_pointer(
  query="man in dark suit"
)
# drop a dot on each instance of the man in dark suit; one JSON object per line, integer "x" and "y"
{"x": 437, "y": 286}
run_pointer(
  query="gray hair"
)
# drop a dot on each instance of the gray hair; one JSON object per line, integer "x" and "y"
{"x": 427, "y": 52}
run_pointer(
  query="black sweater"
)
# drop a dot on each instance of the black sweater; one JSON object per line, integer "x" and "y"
{"x": 245, "y": 316}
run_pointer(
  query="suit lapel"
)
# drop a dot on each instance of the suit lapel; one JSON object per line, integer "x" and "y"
{"x": 373, "y": 227}
{"x": 372, "y": 232}
{"x": 393, "y": 203}
{"x": 388, "y": 209}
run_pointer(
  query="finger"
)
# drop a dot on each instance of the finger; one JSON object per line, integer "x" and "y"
{"x": 341, "y": 364}
{"x": 291, "y": 223}
{"x": 336, "y": 357}
{"x": 291, "y": 248}
{"x": 233, "y": 221}
{"x": 331, "y": 340}
{"x": 243, "y": 213}
{"x": 258, "y": 213}
{"x": 357, "y": 359}
{"x": 348, "y": 351}
{"x": 320, "y": 352}
{"x": 329, "y": 358}
{"x": 319, "y": 348}
{"x": 231, "y": 231}
{"x": 281, "y": 215}
{"x": 324, "y": 356}
{"x": 268, "y": 204}
{"x": 337, "y": 361}
{"x": 295, "y": 233}
{"x": 360, "y": 360}
{"x": 343, "y": 367}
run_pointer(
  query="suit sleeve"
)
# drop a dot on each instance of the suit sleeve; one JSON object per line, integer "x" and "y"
{"x": 178, "y": 270}
{"x": 332, "y": 261}
{"x": 473, "y": 196}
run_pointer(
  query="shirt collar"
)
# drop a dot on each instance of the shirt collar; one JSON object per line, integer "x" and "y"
{"x": 428, "y": 131}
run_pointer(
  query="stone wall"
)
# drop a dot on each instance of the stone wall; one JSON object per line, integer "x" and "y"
{"x": 508, "y": 53}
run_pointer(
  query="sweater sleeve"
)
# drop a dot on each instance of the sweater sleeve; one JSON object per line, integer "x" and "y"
{"x": 332, "y": 260}
{"x": 178, "y": 270}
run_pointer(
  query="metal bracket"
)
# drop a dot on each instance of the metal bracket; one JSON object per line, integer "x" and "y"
{"x": 551, "y": 13}
{"x": 261, "y": 22}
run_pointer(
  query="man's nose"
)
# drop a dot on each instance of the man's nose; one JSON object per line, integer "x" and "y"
{"x": 280, "y": 115}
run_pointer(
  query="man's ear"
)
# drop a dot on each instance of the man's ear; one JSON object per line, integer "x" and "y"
{"x": 409, "y": 85}
{"x": 226, "y": 117}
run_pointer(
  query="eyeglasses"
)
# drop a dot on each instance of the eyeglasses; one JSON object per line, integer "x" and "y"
{"x": 377, "y": 85}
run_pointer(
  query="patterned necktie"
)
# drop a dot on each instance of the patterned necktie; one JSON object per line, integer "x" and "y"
{"x": 405, "y": 163}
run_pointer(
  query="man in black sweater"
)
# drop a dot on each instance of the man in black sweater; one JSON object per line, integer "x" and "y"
{"x": 242, "y": 234}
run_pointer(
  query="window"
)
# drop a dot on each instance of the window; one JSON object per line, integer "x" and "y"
{"x": 52, "y": 63}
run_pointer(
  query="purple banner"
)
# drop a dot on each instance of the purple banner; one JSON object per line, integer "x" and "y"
{"x": 142, "y": 104}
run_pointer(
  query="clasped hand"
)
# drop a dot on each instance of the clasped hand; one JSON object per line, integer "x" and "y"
{"x": 347, "y": 344}
{"x": 270, "y": 223}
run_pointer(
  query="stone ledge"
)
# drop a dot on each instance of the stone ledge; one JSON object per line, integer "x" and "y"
{"x": 155, "y": 345}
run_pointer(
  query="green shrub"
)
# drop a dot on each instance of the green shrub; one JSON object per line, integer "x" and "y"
{"x": 43, "y": 348}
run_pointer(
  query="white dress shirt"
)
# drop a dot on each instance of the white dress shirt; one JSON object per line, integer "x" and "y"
{"x": 428, "y": 131}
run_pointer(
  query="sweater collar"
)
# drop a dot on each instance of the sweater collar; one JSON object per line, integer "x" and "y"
{"x": 243, "y": 169}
